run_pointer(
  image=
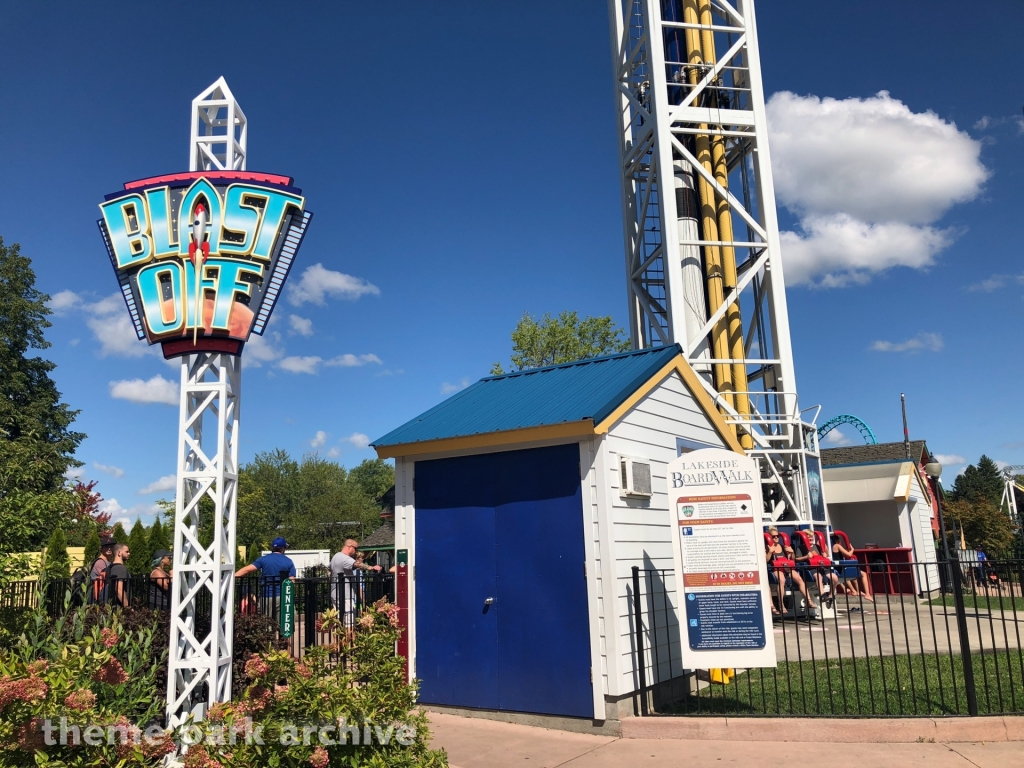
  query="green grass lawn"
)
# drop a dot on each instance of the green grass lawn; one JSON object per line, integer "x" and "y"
{"x": 893, "y": 685}
{"x": 993, "y": 602}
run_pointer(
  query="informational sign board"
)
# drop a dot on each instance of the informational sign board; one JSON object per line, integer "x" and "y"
{"x": 722, "y": 578}
{"x": 287, "y": 625}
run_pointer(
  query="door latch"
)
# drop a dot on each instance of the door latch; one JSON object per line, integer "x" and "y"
{"x": 489, "y": 601}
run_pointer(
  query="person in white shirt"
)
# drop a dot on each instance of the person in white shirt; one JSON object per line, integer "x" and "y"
{"x": 342, "y": 565}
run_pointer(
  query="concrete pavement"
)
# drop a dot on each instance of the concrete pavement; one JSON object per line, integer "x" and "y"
{"x": 479, "y": 743}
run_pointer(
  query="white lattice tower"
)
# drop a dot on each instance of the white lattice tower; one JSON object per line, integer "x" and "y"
{"x": 202, "y": 599}
{"x": 218, "y": 131}
{"x": 693, "y": 140}
{"x": 1010, "y": 485}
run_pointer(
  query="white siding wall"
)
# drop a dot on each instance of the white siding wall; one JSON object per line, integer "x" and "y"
{"x": 405, "y": 521}
{"x": 640, "y": 528}
{"x": 924, "y": 540}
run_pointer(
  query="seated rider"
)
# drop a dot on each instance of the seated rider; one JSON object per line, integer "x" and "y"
{"x": 839, "y": 552}
{"x": 777, "y": 550}
{"x": 813, "y": 553}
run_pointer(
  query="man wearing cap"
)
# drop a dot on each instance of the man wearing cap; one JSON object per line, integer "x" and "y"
{"x": 273, "y": 567}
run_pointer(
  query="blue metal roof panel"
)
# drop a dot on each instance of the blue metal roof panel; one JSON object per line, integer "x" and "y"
{"x": 559, "y": 394}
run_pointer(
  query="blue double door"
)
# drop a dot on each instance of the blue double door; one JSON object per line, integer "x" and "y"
{"x": 501, "y": 593}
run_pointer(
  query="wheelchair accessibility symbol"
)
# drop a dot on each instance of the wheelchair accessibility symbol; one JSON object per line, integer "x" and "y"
{"x": 693, "y": 622}
{"x": 691, "y": 597}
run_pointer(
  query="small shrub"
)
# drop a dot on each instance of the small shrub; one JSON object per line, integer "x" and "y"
{"x": 366, "y": 695}
{"x": 89, "y": 668}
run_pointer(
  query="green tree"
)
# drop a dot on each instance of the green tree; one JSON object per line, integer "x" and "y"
{"x": 120, "y": 537}
{"x": 37, "y": 443}
{"x": 374, "y": 476}
{"x": 138, "y": 545}
{"x": 268, "y": 492}
{"x": 57, "y": 564}
{"x": 330, "y": 507}
{"x": 985, "y": 524}
{"x": 158, "y": 538}
{"x": 978, "y": 483}
{"x": 562, "y": 339}
{"x": 92, "y": 549}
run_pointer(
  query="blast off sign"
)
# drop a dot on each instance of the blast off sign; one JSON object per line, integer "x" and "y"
{"x": 719, "y": 558}
{"x": 201, "y": 257}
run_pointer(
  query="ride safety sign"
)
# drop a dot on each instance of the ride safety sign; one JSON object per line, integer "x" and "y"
{"x": 718, "y": 549}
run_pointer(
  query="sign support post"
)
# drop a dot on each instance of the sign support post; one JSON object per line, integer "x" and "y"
{"x": 199, "y": 664}
{"x": 201, "y": 259}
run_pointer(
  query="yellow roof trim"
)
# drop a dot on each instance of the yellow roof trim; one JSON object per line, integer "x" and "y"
{"x": 689, "y": 377}
{"x": 583, "y": 428}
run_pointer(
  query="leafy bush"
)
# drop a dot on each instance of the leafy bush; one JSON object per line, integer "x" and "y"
{"x": 254, "y": 633}
{"x": 89, "y": 668}
{"x": 338, "y": 694}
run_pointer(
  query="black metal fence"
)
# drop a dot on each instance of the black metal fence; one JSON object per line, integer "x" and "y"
{"x": 909, "y": 639}
{"x": 349, "y": 595}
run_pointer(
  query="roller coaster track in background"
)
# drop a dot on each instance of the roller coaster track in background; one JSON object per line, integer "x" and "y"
{"x": 864, "y": 429}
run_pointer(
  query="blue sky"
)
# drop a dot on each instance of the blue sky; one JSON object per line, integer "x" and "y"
{"x": 460, "y": 160}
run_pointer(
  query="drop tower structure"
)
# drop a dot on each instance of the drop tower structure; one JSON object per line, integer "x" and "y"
{"x": 703, "y": 265}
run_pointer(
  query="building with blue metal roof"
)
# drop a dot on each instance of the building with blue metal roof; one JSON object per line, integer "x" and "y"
{"x": 521, "y": 505}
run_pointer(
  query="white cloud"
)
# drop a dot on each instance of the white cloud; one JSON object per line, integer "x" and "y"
{"x": 836, "y": 251}
{"x": 353, "y": 361}
{"x": 358, "y": 439}
{"x": 300, "y": 325}
{"x": 111, "y": 470}
{"x": 867, "y": 177}
{"x": 74, "y": 473}
{"x": 983, "y": 123}
{"x": 318, "y": 283}
{"x": 260, "y": 349}
{"x": 319, "y": 439}
{"x": 109, "y": 321}
{"x": 155, "y": 390}
{"x": 950, "y": 459}
{"x": 295, "y": 364}
{"x": 165, "y": 483}
{"x": 112, "y": 508}
{"x": 449, "y": 389}
{"x": 929, "y": 341}
{"x": 836, "y": 439}
{"x": 994, "y": 282}
{"x": 65, "y": 301}
{"x": 333, "y": 452}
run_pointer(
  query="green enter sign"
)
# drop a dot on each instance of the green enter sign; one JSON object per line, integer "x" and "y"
{"x": 287, "y": 607}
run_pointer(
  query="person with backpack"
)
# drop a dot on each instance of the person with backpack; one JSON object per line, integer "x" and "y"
{"x": 96, "y": 578}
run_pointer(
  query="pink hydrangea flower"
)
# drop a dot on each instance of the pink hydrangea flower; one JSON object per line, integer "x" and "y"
{"x": 109, "y": 638}
{"x": 256, "y": 667}
{"x": 319, "y": 758}
{"x": 111, "y": 673}
{"x": 83, "y": 700}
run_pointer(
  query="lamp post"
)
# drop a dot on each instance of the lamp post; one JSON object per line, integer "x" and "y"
{"x": 934, "y": 471}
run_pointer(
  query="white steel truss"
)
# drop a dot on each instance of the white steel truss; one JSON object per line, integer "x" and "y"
{"x": 219, "y": 131}
{"x": 1011, "y": 483}
{"x": 694, "y": 160}
{"x": 202, "y": 598}
{"x": 203, "y": 588}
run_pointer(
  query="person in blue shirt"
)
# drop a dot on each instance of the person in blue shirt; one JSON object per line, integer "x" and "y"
{"x": 272, "y": 568}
